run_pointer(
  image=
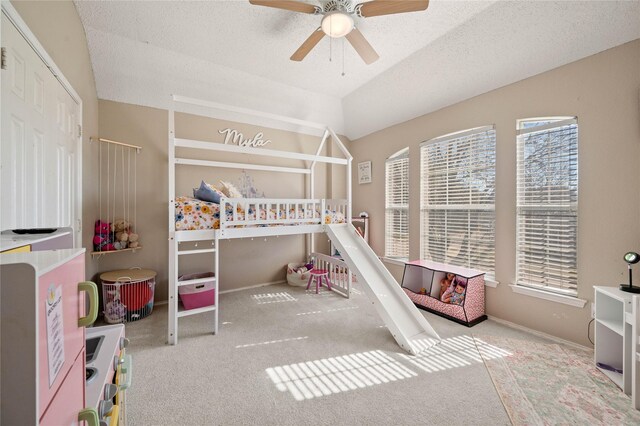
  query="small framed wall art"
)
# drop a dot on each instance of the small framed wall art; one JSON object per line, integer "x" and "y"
{"x": 364, "y": 172}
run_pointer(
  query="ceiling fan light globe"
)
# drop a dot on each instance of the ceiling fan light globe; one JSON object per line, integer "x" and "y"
{"x": 337, "y": 24}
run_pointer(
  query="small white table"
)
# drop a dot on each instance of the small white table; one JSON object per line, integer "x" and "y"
{"x": 613, "y": 334}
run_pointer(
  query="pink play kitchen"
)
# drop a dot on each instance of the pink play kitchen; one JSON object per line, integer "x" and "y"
{"x": 55, "y": 369}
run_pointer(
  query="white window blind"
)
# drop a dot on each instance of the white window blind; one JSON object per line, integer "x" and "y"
{"x": 547, "y": 213}
{"x": 396, "y": 239}
{"x": 458, "y": 199}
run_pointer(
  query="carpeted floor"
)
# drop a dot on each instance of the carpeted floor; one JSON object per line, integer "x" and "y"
{"x": 289, "y": 357}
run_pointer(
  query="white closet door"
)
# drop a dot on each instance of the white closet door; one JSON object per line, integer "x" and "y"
{"x": 39, "y": 134}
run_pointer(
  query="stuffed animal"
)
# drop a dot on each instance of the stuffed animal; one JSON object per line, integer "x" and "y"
{"x": 115, "y": 311}
{"x": 114, "y": 236}
{"x": 102, "y": 227}
{"x": 132, "y": 238}
{"x": 123, "y": 235}
{"x": 102, "y": 239}
{"x": 120, "y": 225}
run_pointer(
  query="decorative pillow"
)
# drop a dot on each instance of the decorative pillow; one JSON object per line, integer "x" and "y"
{"x": 216, "y": 190}
{"x": 229, "y": 190}
{"x": 207, "y": 193}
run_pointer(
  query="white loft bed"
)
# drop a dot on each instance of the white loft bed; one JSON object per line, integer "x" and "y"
{"x": 243, "y": 225}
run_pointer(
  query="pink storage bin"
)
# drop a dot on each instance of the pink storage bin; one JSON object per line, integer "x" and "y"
{"x": 198, "y": 295}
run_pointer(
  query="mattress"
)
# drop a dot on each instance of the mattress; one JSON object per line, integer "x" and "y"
{"x": 193, "y": 214}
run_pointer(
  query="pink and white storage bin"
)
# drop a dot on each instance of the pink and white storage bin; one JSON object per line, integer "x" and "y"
{"x": 298, "y": 274}
{"x": 197, "y": 295}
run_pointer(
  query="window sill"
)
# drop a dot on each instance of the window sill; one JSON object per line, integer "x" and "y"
{"x": 546, "y": 295}
{"x": 490, "y": 282}
{"x": 394, "y": 261}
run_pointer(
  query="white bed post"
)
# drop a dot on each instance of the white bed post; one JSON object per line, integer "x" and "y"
{"x": 349, "y": 213}
{"x": 347, "y": 154}
{"x": 311, "y": 196}
{"x": 325, "y": 135}
{"x": 172, "y": 335}
{"x": 216, "y": 269}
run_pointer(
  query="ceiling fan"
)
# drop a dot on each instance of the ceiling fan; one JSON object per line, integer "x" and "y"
{"x": 337, "y": 20}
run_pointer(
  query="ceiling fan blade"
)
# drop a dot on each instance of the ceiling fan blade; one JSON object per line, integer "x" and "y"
{"x": 295, "y": 6}
{"x": 362, "y": 46}
{"x": 389, "y": 7}
{"x": 308, "y": 44}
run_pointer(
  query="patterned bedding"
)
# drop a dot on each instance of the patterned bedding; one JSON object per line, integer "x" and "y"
{"x": 192, "y": 214}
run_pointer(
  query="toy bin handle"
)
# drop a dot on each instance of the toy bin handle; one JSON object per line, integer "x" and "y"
{"x": 92, "y": 291}
{"x": 89, "y": 415}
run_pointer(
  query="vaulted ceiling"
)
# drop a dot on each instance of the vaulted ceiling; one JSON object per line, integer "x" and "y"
{"x": 237, "y": 54}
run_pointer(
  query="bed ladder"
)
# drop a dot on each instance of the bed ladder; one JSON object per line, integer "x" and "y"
{"x": 175, "y": 312}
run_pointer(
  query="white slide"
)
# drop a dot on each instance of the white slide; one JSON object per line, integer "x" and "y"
{"x": 405, "y": 322}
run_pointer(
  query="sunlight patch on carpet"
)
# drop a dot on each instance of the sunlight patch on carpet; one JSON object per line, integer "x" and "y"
{"x": 323, "y": 293}
{"x": 454, "y": 352}
{"x": 327, "y": 376}
{"x": 265, "y": 298}
{"x": 419, "y": 345}
{"x": 328, "y": 310}
{"x": 271, "y": 342}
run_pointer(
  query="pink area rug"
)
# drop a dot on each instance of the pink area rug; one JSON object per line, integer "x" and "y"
{"x": 552, "y": 384}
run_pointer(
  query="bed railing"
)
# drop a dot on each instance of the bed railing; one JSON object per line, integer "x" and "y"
{"x": 338, "y": 206}
{"x": 251, "y": 212}
{"x": 339, "y": 273}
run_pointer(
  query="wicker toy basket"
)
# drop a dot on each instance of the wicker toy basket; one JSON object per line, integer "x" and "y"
{"x": 127, "y": 294}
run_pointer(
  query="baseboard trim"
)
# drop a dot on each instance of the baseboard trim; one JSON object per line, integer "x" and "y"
{"x": 538, "y": 333}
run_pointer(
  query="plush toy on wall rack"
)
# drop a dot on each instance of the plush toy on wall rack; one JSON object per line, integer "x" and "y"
{"x": 124, "y": 237}
{"x": 114, "y": 236}
{"x": 102, "y": 239}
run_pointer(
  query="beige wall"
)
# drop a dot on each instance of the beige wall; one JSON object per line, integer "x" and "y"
{"x": 603, "y": 92}
{"x": 243, "y": 262}
{"x": 57, "y": 26}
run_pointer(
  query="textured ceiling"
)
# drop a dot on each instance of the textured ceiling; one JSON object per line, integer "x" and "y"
{"x": 238, "y": 54}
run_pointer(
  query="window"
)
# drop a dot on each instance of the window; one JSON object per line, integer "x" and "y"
{"x": 396, "y": 231}
{"x": 457, "y": 203}
{"x": 547, "y": 213}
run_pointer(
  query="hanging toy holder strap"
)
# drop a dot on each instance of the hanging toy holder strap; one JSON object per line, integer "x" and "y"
{"x": 117, "y": 197}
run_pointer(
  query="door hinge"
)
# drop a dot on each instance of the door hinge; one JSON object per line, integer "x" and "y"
{"x": 79, "y": 130}
{"x": 3, "y": 58}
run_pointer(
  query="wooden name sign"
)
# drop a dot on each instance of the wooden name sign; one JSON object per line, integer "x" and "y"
{"x": 234, "y": 136}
